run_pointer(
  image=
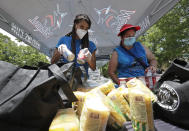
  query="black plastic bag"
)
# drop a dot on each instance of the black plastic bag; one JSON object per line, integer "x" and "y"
{"x": 29, "y": 98}
{"x": 172, "y": 91}
{"x": 179, "y": 69}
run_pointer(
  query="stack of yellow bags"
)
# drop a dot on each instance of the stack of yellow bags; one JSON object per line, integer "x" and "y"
{"x": 105, "y": 88}
{"x": 116, "y": 118}
{"x": 105, "y": 105}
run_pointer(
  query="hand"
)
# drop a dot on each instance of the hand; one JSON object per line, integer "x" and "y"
{"x": 62, "y": 48}
{"x": 84, "y": 56}
{"x": 152, "y": 68}
{"x": 87, "y": 55}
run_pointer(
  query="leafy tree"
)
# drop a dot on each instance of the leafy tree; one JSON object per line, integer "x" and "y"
{"x": 169, "y": 37}
{"x": 19, "y": 55}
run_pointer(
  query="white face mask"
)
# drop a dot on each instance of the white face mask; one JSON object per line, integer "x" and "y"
{"x": 81, "y": 33}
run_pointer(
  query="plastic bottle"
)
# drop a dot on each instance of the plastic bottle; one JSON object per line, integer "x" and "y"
{"x": 68, "y": 54}
{"x": 81, "y": 56}
{"x": 150, "y": 79}
{"x": 122, "y": 82}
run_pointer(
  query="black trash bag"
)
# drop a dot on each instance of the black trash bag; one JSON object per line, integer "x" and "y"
{"x": 179, "y": 69}
{"x": 29, "y": 98}
{"x": 172, "y": 91}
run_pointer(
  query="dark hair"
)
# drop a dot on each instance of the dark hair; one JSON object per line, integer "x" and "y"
{"x": 122, "y": 33}
{"x": 85, "y": 39}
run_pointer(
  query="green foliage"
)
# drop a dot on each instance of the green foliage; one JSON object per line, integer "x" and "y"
{"x": 19, "y": 55}
{"x": 104, "y": 70}
{"x": 169, "y": 37}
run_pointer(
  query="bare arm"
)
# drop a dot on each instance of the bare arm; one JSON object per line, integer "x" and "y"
{"x": 92, "y": 62}
{"x": 151, "y": 58}
{"x": 112, "y": 67}
{"x": 56, "y": 56}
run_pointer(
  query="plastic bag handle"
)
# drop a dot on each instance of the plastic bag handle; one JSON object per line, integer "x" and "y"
{"x": 62, "y": 81}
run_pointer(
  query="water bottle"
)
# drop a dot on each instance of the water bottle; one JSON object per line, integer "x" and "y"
{"x": 67, "y": 53}
{"x": 81, "y": 56}
{"x": 150, "y": 79}
{"x": 122, "y": 82}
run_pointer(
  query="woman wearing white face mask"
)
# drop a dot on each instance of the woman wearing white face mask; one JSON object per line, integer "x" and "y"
{"x": 130, "y": 59}
{"x": 75, "y": 41}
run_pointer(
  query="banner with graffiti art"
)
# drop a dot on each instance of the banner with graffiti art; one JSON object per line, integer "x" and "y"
{"x": 41, "y": 23}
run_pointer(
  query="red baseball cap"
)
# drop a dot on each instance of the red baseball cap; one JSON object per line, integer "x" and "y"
{"x": 128, "y": 26}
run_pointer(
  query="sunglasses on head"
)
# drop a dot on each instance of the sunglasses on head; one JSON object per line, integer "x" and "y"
{"x": 82, "y": 17}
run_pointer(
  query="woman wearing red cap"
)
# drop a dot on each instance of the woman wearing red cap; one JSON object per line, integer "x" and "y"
{"x": 130, "y": 59}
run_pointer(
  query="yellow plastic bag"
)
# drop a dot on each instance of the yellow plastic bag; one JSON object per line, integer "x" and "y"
{"x": 124, "y": 92}
{"x": 106, "y": 87}
{"x": 78, "y": 105}
{"x": 118, "y": 99}
{"x": 116, "y": 118}
{"x": 141, "y": 109}
{"x": 65, "y": 120}
{"x": 139, "y": 84}
{"x": 94, "y": 114}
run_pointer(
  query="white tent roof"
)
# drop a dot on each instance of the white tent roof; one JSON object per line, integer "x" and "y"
{"x": 41, "y": 23}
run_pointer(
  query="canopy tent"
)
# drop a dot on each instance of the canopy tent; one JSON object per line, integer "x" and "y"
{"x": 41, "y": 23}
